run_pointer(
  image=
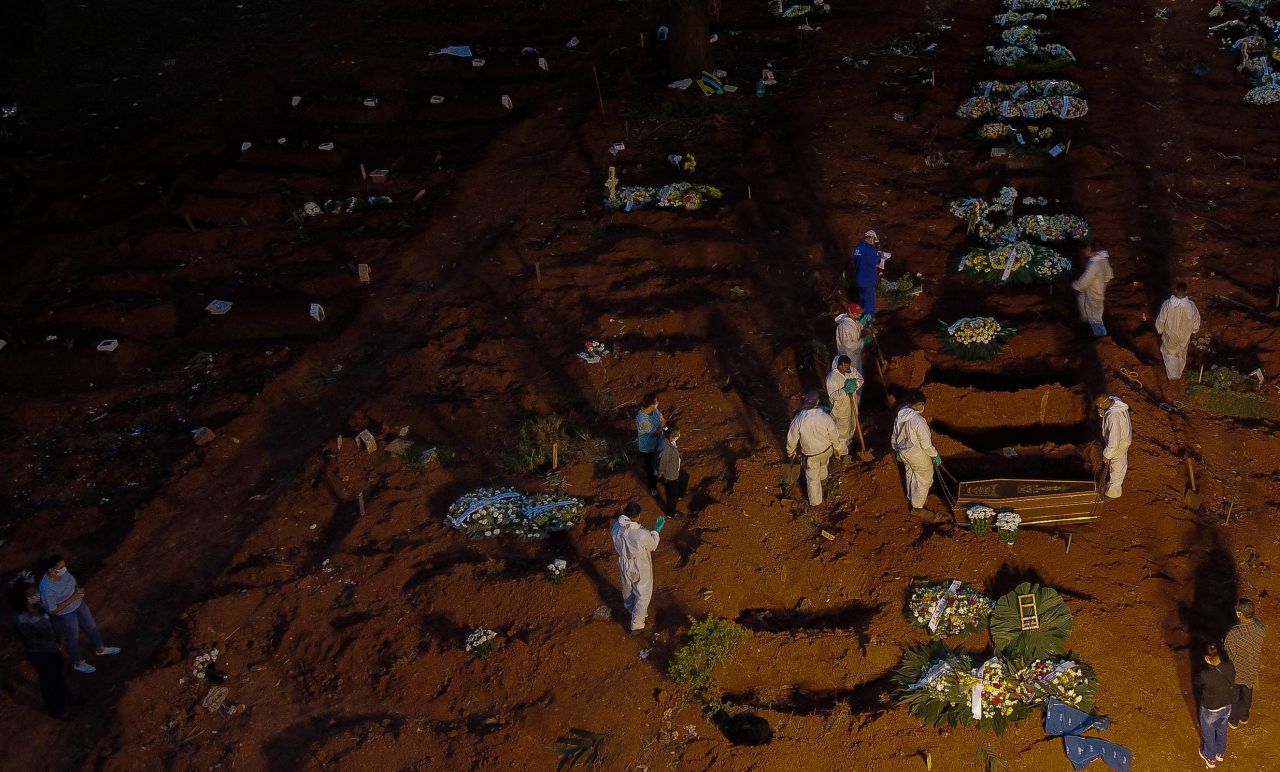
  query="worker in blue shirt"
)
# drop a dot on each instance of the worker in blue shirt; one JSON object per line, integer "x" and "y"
{"x": 866, "y": 270}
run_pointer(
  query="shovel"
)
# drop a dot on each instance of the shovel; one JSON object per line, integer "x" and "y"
{"x": 1191, "y": 496}
{"x": 789, "y": 482}
{"x": 889, "y": 399}
{"x": 865, "y": 455}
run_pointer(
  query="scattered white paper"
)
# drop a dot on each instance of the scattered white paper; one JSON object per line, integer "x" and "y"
{"x": 110, "y": 344}
{"x": 326, "y": 146}
{"x": 296, "y": 101}
{"x": 244, "y": 146}
{"x": 681, "y": 85}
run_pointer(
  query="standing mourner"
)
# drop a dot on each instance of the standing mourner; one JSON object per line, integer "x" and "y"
{"x": 913, "y": 444}
{"x": 868, "y": 262}
{"x": 670, "y": 475}
{"x": 814, "y": 435}
{"x": 1117, "y": 434}
{"x": 1179, "y": 319}
{"x": 1092, "y": 286}
{"x": 40, "y": 644}
{"x": 635, "y": 545}
{"x": 1216, "y": 683}
{"x": 648, "y": 432}
{"x": 64, "y": 600}
{"x": 1244, "y": 647}
{"x": 844, "y": 385}
{"x": 850, "y": 337}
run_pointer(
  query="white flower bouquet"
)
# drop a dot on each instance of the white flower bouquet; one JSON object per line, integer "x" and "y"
{"x": 1016, "y": 263}
{"x": 975, "y": 337}
{"x": 1063, "y": 107}
{"x": 1027, "y": 88}
{"x": 557, "y": 571}
{"x": 487, "y": 512}
{"x": 981, "y": 517}
{"x": 204, "y": 662}
{"x": 1071, "y": 682}
{"x": 1013, "y": 17}
{"x": 1046, "y": 5}
{"x": 1267, "y": 92}
{"x": 481, "y": 642}
{"x": 1007, "y": 523}
{"x": 677, "y": 195}
{"x": 945, "y": 610}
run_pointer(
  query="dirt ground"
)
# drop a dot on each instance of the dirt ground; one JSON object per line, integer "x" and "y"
{"x": 326, "y": 577}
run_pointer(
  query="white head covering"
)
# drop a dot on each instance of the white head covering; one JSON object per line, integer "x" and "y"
{"x": 871, "y": 235}
{"x": 1102, "y": 253}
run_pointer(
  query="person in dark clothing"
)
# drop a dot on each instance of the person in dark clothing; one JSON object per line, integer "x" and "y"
{"x": 1244, "y": 647}
{"x": 40, "y": 644}
{"x": 1216, "y": 683}
{"x": 667, "y": 464}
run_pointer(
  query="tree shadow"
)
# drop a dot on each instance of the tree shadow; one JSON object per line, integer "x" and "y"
{"x": 1211, "y": 610}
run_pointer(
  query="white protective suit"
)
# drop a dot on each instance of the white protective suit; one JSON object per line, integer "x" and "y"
{"x": 1117, "y": 434}
{"x": 1092, "y": 286}
{"x": 1179, "y": 319}
{"x": 815, "y": 435}
{"x": 635, "y": 545}
{"x": 842, "y": 403}
{"x": 912, "y": 439}
{"x": 849, "y": 340}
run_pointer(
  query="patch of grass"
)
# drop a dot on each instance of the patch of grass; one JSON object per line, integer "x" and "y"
{"x": 534, "y": 440}
{"x": 711, "y": 644}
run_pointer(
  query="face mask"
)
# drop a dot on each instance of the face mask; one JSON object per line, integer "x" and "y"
{"x": 34, "y": 600}
{"x": 58, "y": 572}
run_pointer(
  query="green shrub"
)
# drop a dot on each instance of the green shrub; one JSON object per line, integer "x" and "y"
{"x": 711, "y": 644}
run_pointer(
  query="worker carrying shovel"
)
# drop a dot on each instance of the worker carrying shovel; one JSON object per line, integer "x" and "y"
{"x": 813, "y": 434}
{"x": 843, "y": 385}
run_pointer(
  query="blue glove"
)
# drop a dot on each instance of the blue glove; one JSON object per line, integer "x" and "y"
{"x": 937, "y": 460}
{"x": 866, "y": 340}
{"x": 850, "y": 386}
{"x": 660, "y": 524}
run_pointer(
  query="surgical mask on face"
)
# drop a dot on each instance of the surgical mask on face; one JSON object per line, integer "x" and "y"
{"x": 58, "y": 573}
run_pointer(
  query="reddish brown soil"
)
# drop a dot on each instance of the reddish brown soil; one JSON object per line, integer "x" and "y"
{"x": 342, "y": 632}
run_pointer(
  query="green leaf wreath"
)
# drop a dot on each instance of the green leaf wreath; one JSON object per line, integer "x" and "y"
{"x": 1024, "y": 646}
{"x": 942, "y": 699}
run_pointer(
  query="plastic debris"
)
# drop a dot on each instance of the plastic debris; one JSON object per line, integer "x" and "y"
{"x": 203, "y": 436}
{"x": 573, "y": 42}
{"x": 477, "y": 62}
{"x": 460, "y": 51}
{"x": 436, "y": 100}
{"x": 362, "y": 270}
{"x": 366, "y": 439}
{"x": 370, "y": 102}
{"x": 663, "y": 32}
{"x": 244, "y": 146}
{"x": 295, "y": 101}
{"x": 506, "y": 102}
{"x": 326, "y": 146}
{"x": 617, "y": 147}
{"x": 218, "y": 307}
{"x": 110, "y": 344}
{"x": 681, "y": 84}
{"x": 542, "y": 64}
{"x": 317, "y": 312}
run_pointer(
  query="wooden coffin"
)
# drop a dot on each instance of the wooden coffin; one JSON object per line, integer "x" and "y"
{"x": 1036, "y": 501}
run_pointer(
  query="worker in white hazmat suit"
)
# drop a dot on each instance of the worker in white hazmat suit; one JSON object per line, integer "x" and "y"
{"x": 913, "y": 444}
{"x": 851, "y": 337}
{"x": 813, "y": 434}
{"x": 844, "y": 385}
{"x": 1092, "y": 286}
{"x": 1117, "y": 434}
{"x": 1179, "y": 319}
{"x": 635, "y": 545}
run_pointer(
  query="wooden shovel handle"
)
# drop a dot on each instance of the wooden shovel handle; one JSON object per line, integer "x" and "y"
{"x": 1191, "y": 474}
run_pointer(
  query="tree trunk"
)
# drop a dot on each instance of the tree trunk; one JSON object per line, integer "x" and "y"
{"x": 689, "y": 43}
